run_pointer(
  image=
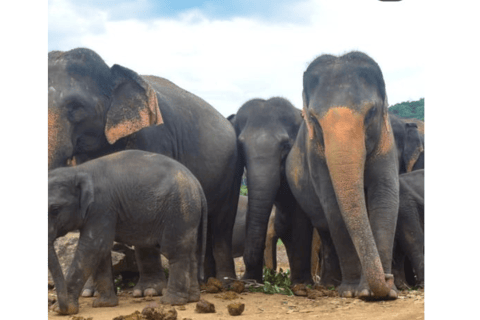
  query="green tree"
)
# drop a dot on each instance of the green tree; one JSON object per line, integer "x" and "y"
{"x": 409, "y": 109}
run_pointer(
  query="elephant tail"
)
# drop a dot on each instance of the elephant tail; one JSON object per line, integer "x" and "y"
{"x": 202, "y": 238}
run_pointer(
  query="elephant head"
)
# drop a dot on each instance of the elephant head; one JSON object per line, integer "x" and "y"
{"x": 410, "y": 141}
{"x": 91, "y": 106}
{"x": 69, "y": 196}
{"x": 266, "y": 131}
{"x": 345, "y": 109}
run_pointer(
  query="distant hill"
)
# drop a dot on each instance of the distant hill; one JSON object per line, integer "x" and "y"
{"x": 409, "y": 109}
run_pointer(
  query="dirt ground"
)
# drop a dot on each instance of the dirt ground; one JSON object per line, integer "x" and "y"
{"x": 410, "y": 305}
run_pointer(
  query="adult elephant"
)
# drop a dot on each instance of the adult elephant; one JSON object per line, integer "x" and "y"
{"x": 410, "y": 141}
{"x": 266, "y": 131}
{"x": 94, "y": 110}
{"x": 343, "y": 169}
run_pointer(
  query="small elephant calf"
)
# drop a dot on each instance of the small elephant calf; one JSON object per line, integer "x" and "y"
{"x": 134, "y": 197}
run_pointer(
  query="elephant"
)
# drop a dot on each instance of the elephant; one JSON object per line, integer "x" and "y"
{"x": 343, "y": 171}
{"x": 135, "y": 197}
{"x": 270, "y": 254}
{"x": 409, "y": 235}
{"x": 95, "y": 110}
{"x": 410, "y": 141}
{"x": 266, "y": 131}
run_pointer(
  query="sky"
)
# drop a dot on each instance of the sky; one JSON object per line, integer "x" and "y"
{"x": 235, "y": 51}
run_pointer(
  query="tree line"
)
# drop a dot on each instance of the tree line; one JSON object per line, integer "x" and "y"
{"x": 409, "y": 109}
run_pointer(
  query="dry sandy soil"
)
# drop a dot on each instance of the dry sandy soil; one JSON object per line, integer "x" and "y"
{"x": 410, "y": 305}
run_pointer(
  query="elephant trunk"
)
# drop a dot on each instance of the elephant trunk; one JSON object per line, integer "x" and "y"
{"x": 263, "y": 183}
{"x": 345, "y": 154}
{"x": 58, "y": 278}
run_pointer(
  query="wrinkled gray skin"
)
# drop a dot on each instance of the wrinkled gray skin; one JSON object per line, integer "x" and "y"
{"x": 409, "y": 235}
{"x": 343, "y": 170}
{"x": 94, "y": 110}
{"x": 134, "y": 197}
{"x": 266, "y": 131}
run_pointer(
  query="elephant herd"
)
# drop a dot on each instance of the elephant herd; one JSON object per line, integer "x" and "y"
{"x": 137, "y": 159}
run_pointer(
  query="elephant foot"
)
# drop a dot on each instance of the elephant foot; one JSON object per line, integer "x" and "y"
{"x": 101, "y": 302}
{"x": 329, "y": 282}
{"x": 252, "y": 276}
{"x": 72, "y": 308}
{"x": 150, "y": 288}
{"x": 347, "y": 289}
{"x": 363, "y": 290}
{"x": 89, "y": 289}
{"x": 171, "y": 298}
{"x": 401, "y": 285}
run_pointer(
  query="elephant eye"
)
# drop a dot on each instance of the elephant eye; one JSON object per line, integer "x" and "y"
{"x": 53, "y": 211}
{"x": 370, "y": 115}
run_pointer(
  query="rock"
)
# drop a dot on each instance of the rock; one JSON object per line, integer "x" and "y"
{"x": 236, "y": 309}
{"x": 66, "y": 246}
{"x": 203, "y": 306}
{"x": 237, "y": 286}
{"x": 300, "y": 290}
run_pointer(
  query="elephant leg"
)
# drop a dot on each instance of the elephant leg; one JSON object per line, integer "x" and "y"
{"x": 331, "y": 275}
{"x": 398, "y": 269}
{"x": 182, "y": 284}
{"x": 93, "y": 246}
{"x": 410, "y": 238}
{"x": 382, "y": 197}
{"x": 209, "y": 264}
{"x": 152, "y": 276}
{"x": 348, "y": 260}
{"x": 298, "y": 243}
{"x": 89, "y": 288}
{"x": 103, "y": 279}
{"x": 222, "y": 223}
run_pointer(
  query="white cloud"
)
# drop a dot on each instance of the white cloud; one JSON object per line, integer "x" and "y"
{"x": 227, "y": 62}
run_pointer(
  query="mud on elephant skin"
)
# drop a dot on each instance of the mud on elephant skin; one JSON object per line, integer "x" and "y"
{"x": 343, "y": 163}
{"x": 95, "y": 110}
{"x": 134, "y": 197}
{"x": 266, "y": 131}
{"x": 409, "y": 235}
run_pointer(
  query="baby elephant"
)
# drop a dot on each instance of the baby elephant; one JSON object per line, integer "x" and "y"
{"x": 134, "y": 197}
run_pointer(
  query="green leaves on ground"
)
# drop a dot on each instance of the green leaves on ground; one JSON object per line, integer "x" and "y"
{"x": 274, "y": 282}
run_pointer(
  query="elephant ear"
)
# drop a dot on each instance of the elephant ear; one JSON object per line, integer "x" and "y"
{"x": 133, "y": 105}
{"x": 231, "y": 117}
{"x": 84, "y": 183}
{"x": 413, "y": 146}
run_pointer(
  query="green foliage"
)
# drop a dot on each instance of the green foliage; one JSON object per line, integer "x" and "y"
{"x": 409, "y": 109}
{"x": 275, "y": 282}
{"x": 279, "y": 242}
{"x": 243, "y": 190}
